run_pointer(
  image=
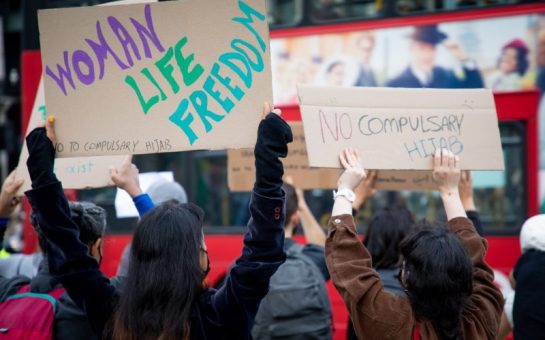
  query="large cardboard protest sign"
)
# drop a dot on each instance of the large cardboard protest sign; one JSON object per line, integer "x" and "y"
{"x": 400, "y": 129}
{"x": 74, "y": 173}
{"x": 161, "y": 77}
{"x": 241, "y": 166}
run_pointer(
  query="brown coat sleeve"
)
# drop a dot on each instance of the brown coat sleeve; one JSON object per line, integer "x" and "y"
{"x": 481, "y": 317}
{"x": 375, "y": 313}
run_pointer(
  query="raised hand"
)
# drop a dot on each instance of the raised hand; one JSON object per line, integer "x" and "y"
{"x": 8, "y": 200}
{"x": 273, "y": 136}
{"x": 354, "y": 172}
{"x": 365, "y": 190}
{"x": 126, "y": 177}
{"x": 446, "y": 174}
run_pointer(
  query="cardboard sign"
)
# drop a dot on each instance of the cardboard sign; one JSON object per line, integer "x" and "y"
{"x": 148, "y": 78}
{"x": 400, "y": 129}
{"x": 241, "y": 170}
{"x": 241, "y": 166}
{"x": 412, "y": 180}
{"x": 74, "y": 173}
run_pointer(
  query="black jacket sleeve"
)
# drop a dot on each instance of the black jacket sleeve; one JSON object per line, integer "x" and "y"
{"x": 68, "y": 257}
{"x": 273, "y": 137}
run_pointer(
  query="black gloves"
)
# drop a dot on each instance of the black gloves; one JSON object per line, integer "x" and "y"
{"x": 41, "y": 158}
{"x": 273, "y": 136}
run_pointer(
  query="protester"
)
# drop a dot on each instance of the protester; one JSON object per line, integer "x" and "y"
{"x": 14, "y": 264}
{"x": 126, "y": 177}
{"x": 422, "y": 71}
{"x": 450, "y": 290}
{"x": 69, "y": 321}
{"x": 529, "y": 277}
{"x": 387, "y": 229}
{"x": 297, "y": 305}
{"x": 162, "y": 295}
{"x": 512, "y": 65}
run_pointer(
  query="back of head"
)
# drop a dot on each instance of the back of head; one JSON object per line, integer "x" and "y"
{"x": 89, "y": 217}
{"x": 437, "y": 274}
{"x": 532, "y": 234}
{"x": 162, "y": 190}
{"x": 292, "y": 203}
{"x": 387, "y": 229}
{"x": 164, "y": 276}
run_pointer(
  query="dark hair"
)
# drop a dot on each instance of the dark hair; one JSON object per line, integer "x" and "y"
{"x": 165, "y": 275}
{"x": 522, "y": 59}
{"x": 387, "y": 229}
{"x": 438, "y": 277}
{"x": 89, "y": 217}
{"x": 292, "y": 202}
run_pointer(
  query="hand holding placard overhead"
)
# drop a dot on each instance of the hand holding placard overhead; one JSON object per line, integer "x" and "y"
{"x": 74, "y": 173}
{"x": 400, "y": 129}
{"x": 159, "y": 77}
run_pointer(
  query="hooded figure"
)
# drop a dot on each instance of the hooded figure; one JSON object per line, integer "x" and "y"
{"x": 529, "y": 274}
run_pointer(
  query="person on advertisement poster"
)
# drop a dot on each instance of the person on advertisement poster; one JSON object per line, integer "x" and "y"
{"x": 422, "y": 71}
{"x": 338, "y": 71}
{"x": 512, "y": 65}
{"x": 365, "y": 44}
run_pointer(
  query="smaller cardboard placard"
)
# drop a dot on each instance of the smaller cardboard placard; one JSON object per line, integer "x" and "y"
{"x": 241, "y": 166}
{"x": 399, "y": 180}
{"x": 400, "y": 129}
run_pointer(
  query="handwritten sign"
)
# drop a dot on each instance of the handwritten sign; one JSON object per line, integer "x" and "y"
{"x": 161, "y": 77}
{"x": 399, "y": 180}
{"x": 400, "y": 129}
{"x": 74, "y": 173}
{"x": 241, "y": 166}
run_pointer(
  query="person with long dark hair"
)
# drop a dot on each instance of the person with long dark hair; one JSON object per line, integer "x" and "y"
{"x": 449, "y": 286}
{"x": 162, "y": 296}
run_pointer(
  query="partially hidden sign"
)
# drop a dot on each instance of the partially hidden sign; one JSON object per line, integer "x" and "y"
{"x": 400, "y": 129}
{"x": 161, "y": 77}
{"x": 241, "y": 166}
{"x": 74, "y": 173}
{"x": 241, "y": 170}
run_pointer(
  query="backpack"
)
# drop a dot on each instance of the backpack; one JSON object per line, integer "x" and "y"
{"x": 297, "y": 304}
{"x": 27, "y": 315}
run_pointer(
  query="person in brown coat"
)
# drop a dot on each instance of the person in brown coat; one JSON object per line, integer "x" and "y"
{"x": 450, "y": 290}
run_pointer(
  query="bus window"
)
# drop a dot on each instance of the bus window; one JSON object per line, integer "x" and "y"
{"x": 404, "y": 7}
{"x": 210, "y": 191}
{"x": 284, "y": 13}
{"x": 322, "y": 11}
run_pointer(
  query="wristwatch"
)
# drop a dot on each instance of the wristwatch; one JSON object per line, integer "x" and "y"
{"x": 346, "y": 193}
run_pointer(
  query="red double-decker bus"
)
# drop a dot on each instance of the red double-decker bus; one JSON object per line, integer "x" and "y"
{"x": 341, "y": 42}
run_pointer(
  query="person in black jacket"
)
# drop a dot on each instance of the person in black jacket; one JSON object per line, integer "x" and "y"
{"x": 70, "y": 321}
{"x": 162, "y": 294}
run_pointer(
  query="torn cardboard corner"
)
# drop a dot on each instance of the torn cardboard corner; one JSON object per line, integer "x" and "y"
{"x": 241, "y": 166}
{"x": 401, "y": 134}
{"x": 181, "y": 75}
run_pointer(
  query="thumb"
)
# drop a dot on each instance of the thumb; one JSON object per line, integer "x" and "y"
{"x": 50, "y": 129}
{"x": 113, "y": 172}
